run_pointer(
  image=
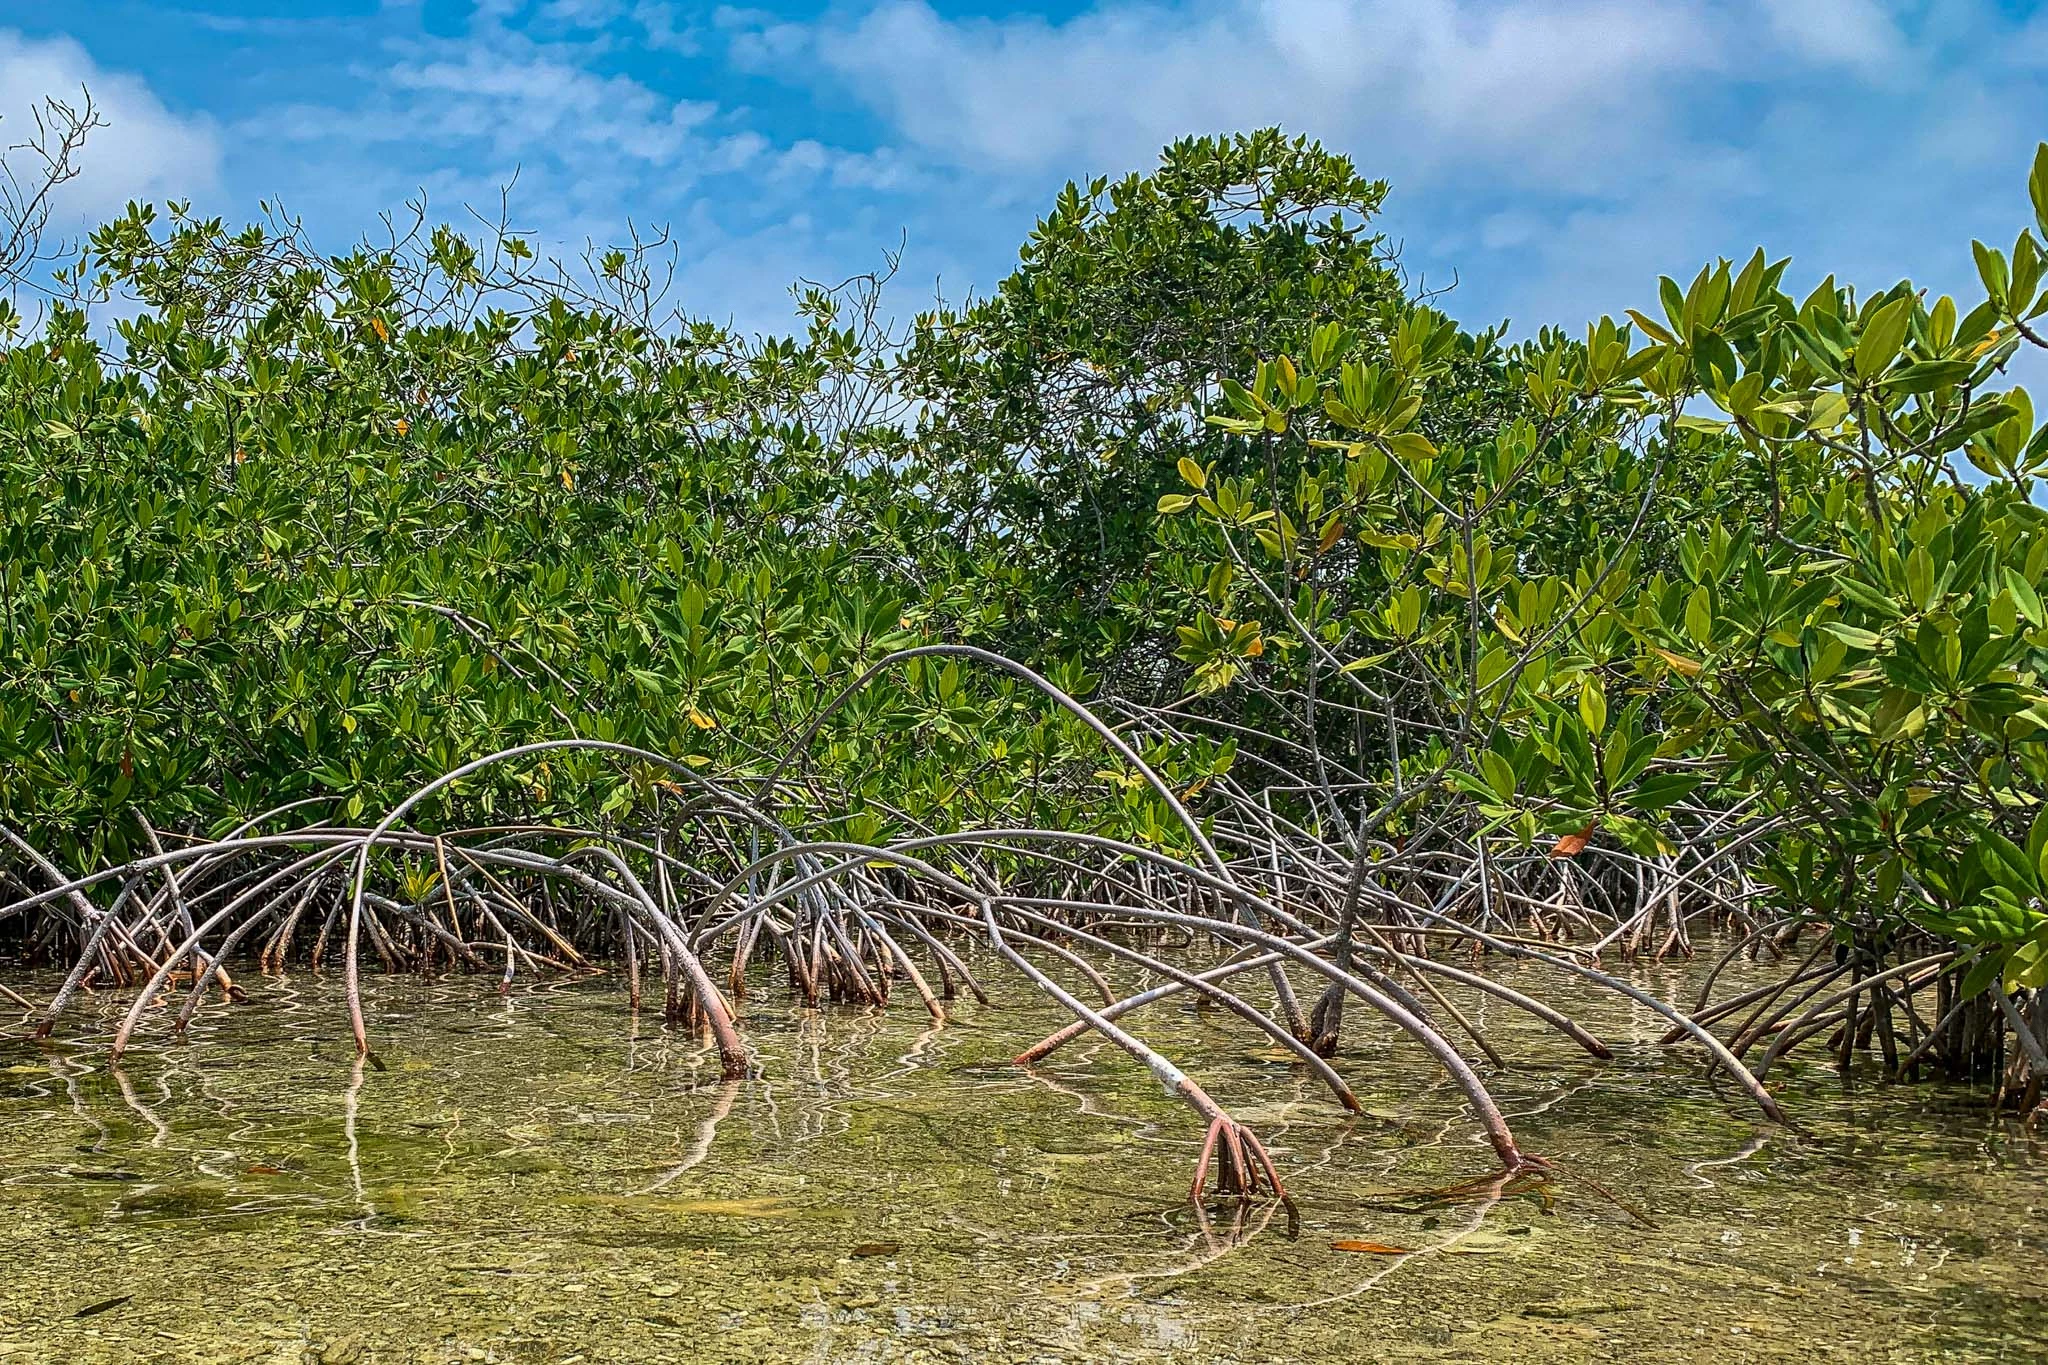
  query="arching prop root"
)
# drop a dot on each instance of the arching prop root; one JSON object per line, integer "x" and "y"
{"x": 710, "y": 872}
{"x": 1241, "y": 1163}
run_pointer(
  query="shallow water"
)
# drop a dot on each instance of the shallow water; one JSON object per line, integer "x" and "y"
{"x": 545, "y": 1178}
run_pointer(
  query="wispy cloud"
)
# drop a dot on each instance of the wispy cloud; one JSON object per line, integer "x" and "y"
{"x": 1855, "y": 33}
{"x": 551, "y": 100}
{"x": 1531, "y": 89}
{"x": 1553, "y": 154}
{"x": 144, "y": 150}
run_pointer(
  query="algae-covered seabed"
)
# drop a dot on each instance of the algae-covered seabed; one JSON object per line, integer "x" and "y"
{"x": 544, "y": 1178}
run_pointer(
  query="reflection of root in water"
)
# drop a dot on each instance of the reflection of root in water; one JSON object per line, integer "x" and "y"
{"x": 70, "y": 1077}
{"x": 134, "y": 1101}
{"x": 1207, "y": 1245}
{"x": 1485, "y": 1190}
{"x": 707, "y": 1133}
{"x": 1749, "y": 1149}
{"x": 350, "y": 1104}
{"x": 1482, "y": 1195}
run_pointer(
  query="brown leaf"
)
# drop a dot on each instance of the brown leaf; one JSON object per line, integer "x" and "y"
{"x": 1574, "y": 844}
{"x": 1370, "y": 1248}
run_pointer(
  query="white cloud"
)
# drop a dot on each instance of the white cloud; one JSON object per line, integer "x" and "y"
{"x": 660, "y": 29}
{"x": 598, "y": 138}
{"x": 1554, "y": 155}
{"x": 1856, "y": 33}
{"x": 1555, "y": 89}
{"x": 520, "y": 97}
{"x": 462, "y": 114}
{"x": 144, "y": 151}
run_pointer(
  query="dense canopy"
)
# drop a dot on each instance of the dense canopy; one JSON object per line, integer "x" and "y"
{"x": 1199, "y": 581}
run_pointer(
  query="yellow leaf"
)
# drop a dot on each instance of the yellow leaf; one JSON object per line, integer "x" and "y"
{"x": 1679, "y": 663}
{"x": 401, "y": 426}
{"x": 568, "y": 479}
{"x": 702, "y": 721}
{"x": 377, "y": 326}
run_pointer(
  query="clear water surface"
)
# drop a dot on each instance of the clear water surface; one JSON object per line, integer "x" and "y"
{"x": 545, "y": 1177}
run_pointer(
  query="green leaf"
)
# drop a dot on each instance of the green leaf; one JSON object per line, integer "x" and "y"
{"x": 1412, "y": 447}
{"x": 2026, "y": 967}
{"x": 2037, "y": 188}
{"x": 1662, "y": 790}
{"x": 1713, "y": 359}
{"x": 1699, "y": 617}
{"x": 1920, "y": 578}
{"x": 1991, "y": 269}
{"x": 1673, "y": 299}
{"x": 1592, "y": 705}
{"x": 1883, "y": 334}
{"x": 1928, "y": 375}
{"x": 2024, "y": 594}
{"x": 1853, "y": 636}
{"x": 2007, "y": 864}
{"x": 1652, "y": 329}
{"x": 2037, "y": 844}
{"x": 1500, "y": 775}
{"x": 1983, "y": 975}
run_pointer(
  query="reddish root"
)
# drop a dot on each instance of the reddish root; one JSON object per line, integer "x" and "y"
{"x": 1243, "y": 1166}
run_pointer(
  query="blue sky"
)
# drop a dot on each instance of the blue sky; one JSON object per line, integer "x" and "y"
{"x": 1553, "y": 155}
